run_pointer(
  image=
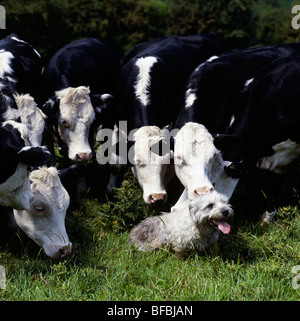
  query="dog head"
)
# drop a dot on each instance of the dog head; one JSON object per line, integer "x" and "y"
{"x": 211, "y": 210}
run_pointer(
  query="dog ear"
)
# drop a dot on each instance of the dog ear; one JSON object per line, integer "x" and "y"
{"x": 34, "y": 156}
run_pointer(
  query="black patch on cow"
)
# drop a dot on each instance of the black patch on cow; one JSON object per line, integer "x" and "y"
{"x": 10, "y": 144}
{"x": 34, "y": 156}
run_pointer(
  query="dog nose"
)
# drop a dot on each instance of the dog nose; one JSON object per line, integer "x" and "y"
{"x": 225, "y": 213}
{"x": 157, "y": 198}
{"x": 83, "y": 157}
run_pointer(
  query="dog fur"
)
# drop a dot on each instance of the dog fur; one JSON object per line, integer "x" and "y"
{"x": 195, "y": 226}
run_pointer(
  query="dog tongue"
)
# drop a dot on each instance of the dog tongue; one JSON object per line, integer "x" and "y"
{"x": 224, "y": 227}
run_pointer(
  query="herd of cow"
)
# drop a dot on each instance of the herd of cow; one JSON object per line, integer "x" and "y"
{"x": 219, "y": 112}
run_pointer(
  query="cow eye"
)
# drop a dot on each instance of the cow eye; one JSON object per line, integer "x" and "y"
{"x": 17, "y": 190}
{"x": 65, "y": 123}
{"x": 39, "y": 209}
{"x": 139, "y": 163}
{"x": 180, "y": 161}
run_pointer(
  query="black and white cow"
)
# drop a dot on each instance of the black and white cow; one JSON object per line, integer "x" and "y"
{"x": 213, "y": 89}
{"x": 20, "y": 80}
{"x": 20, "y": 72}
{"x": 78, "y": 84}
{"x": 150, "y": 80}
{"x": 211, "y": 98}
{"x": 265, "y": 133}
{"x": 15, "y": 158}
{"x": 21, "y": 66}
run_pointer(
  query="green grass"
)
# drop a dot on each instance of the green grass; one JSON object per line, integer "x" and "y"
{"x": 251, "y": 263}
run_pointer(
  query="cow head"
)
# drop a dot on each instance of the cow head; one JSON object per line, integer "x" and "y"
{"x": 44, "y": 222}
{"x": 71, "y": 113}
{"x": 148, "y": 166}
{"x": 199, "y": 164}
{"x": 15, "y": 188}
{"x": 32, "y": 117}
{"x": 197, "y": 161}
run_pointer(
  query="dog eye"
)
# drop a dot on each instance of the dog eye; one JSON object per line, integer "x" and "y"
{"x": 209, "y": 206}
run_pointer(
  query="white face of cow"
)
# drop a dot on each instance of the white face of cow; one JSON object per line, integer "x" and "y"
{"x": 76, "y": 115}
{"x": 150, "y": 168}
{"x": 15, "y": 192}
{"x": 32, "y": 117}
{"x": 198, "y": 164}
{"x": 45, "y": 221}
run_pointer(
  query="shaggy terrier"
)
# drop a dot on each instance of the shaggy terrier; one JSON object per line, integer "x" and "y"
{"x": 195, "y": 226}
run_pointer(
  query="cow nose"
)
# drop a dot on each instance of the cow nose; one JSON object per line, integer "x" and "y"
{"x": 83, "y": 157}
{"x": 157, "y": 198}
{"x": 63, "y": 251}
{"x": 202, "y": 190}
{"x": 225, "y": 213}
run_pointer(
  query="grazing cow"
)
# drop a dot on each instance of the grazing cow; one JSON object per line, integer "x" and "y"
{"x": 198, "y": 164}
{"x": 32, "y": 117}
{"x": 151, "y": 77}
{"x": 265, "y": 132}
{"x": 79, "y": 81}
{"x": 211, "y": 98}
{"x": 20, "y": 66}
{"x": 150, "y": 168}
{"x": 213, "y": 89}
{"x": 14, "y": 161}
{"x": 44, "y": 222}
{"x": 20, "y": 79}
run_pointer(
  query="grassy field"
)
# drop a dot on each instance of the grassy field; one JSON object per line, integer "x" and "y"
{"x": 251, "y": 263}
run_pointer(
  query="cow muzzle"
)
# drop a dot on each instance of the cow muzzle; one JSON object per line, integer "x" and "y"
{"x": 157, "y": 198}
{"x": 62, "y": 252}
{"x": 83, "y": 157}
{"x": 202, "y": 190}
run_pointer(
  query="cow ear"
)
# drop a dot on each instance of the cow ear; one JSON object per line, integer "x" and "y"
{"x": 103, "y": 105}
{"x": 223, "y": 142}
{"x": 161, "y": 148}
{"x": 34, "y": 156}
{"x": 51, "y": 106}
{"x": 235, "y": 170}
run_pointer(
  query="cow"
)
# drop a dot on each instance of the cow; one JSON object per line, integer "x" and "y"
{"x": 212, "y": 91}
{"x": 151, "y": 76}
{"x": 32, "y": 117}
{"x": 263, "y": 135}
{"x": 20, "y": 66}
{"x": 78, "y": 88}
{"x": 265, "y": 132}
{"x": 15, "y": 158}
{"x": 149, "y": 168}
{"x": 20, "y": 80}
{"x": 199, "y": 164}
{"x": 44, "y": 222}
{"x": 211, "y": 98}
